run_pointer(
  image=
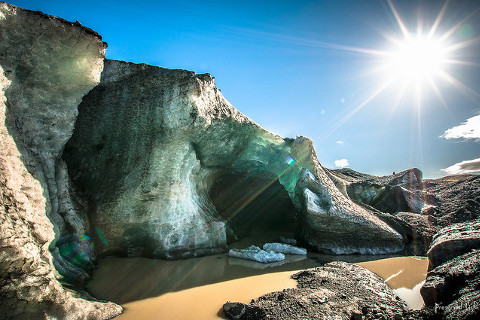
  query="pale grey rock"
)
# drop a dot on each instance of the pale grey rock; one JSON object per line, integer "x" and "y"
{"x": 256, "y": 254}
{"x": 46, "y": 66}
{"x": 284, "y": 248}
{"x": 403, "y": 191}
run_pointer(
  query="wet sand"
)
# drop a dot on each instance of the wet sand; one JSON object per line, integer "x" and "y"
{"x": 197, "y": 288}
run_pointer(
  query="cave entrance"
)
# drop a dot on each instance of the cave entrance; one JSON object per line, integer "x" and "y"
{"x": 254, "y": 206}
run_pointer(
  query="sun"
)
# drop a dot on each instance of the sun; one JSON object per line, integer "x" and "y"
{"x": 418, "y": 62}
{"x": 417, "y": 59}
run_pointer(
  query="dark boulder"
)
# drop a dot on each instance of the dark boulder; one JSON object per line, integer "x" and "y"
{"x": 453, "y": 241}
{"x": 453, "y": 288}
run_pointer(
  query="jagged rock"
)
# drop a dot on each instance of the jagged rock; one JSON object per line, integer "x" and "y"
{"x": 162, "y": 157}
{"x": 337, "y": 290}
{"x": 455, "y": 198}
{"x": 256, "y": 254}
{"x": 46, "y": 66}
{"x": 399, "y": 192}
{"x": 452, "y": 288}
{"x": 333, "y": 224}
{"x": 284, "y": 248}
{"x": 453, "y": 241}
{"x": 417, "y": 230}
{"x": 239, "y": 311}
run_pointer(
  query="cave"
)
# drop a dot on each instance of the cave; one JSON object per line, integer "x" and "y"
{"x": 254, "y": 205}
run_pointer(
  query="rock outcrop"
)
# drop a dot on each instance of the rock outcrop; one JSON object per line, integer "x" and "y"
{"x": 453, "y": 241}
{"x": 338, "y": 290}
{"x": 152, "y": 145}
{"x": 452, "y": 289}
{"x": 454, "y": 198}
{"x": 399, "y": 192}
{"x": 46, "y": 66}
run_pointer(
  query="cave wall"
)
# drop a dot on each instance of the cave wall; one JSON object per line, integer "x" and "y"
{"x": 46, "y": 66}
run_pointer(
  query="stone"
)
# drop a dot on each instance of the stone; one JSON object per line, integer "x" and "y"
{"x": 452, "y": 288}
{"x": 284, "y": 248}
{"x": 399, "y": 192}
{"x": 256, "y": 254}
{"x": 240, "y": 311}
{"x": 455, "y": 198}
{"x": 349, "y": 288}
{"x": 331, "y": 223}
{"x": 453, "y": 241}
{"x": 46, "y": 66}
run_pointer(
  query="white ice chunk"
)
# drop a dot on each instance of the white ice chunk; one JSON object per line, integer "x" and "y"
{"x": 256, "y": 254}
{"x": 284, "y": 248}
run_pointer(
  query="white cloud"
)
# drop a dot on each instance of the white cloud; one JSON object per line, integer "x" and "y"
{"x": 469, "y": 129}
{"x": 468, "y": 166}
{"x": 340, "y": 142}
{"x": 342, "y": 163}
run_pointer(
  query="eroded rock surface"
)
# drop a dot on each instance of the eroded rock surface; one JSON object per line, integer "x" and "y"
{"x": 455, "y": 198}
{"x": 46, "y": 66}
{"x": 399, "y": 192}
{"x": 150, "y": 147}
{"x": 338, "y": 290}
{"x": 452, "y": 289}
{"x": 453, "y": 241}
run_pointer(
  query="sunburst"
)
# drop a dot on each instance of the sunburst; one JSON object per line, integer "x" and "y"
{"x": 415, "y": 63}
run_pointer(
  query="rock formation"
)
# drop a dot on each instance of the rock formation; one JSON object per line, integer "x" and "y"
{"x": 102, "y": 157}
{"x": 338, "y": 290}
{"x": 46, "y": 66}
{"x": 452, "y": 289}
{"x": 152, "y": 146}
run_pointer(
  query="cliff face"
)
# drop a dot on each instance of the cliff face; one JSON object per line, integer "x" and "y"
{"x": 150, "y": 148}
{"x": 46, "y": 66}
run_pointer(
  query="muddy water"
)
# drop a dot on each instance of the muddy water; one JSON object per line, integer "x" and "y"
{"x": 197, "y": 288}
{"x": 405, "y": 275}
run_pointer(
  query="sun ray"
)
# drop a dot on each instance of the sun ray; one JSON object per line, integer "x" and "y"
{"x": 400, "y": 22}
{"x": 450, "y": 32}
{"x": 349, "y": 115}
{"x": 395, "y": 105}
{"x": 438, "y": 20}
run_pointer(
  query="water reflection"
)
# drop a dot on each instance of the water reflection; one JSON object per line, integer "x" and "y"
{"x": 124, "y": 280}
{"x": 405, "y": 275}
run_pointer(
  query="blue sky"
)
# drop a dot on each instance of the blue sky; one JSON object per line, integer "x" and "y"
{"x": 300, "y": 68}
